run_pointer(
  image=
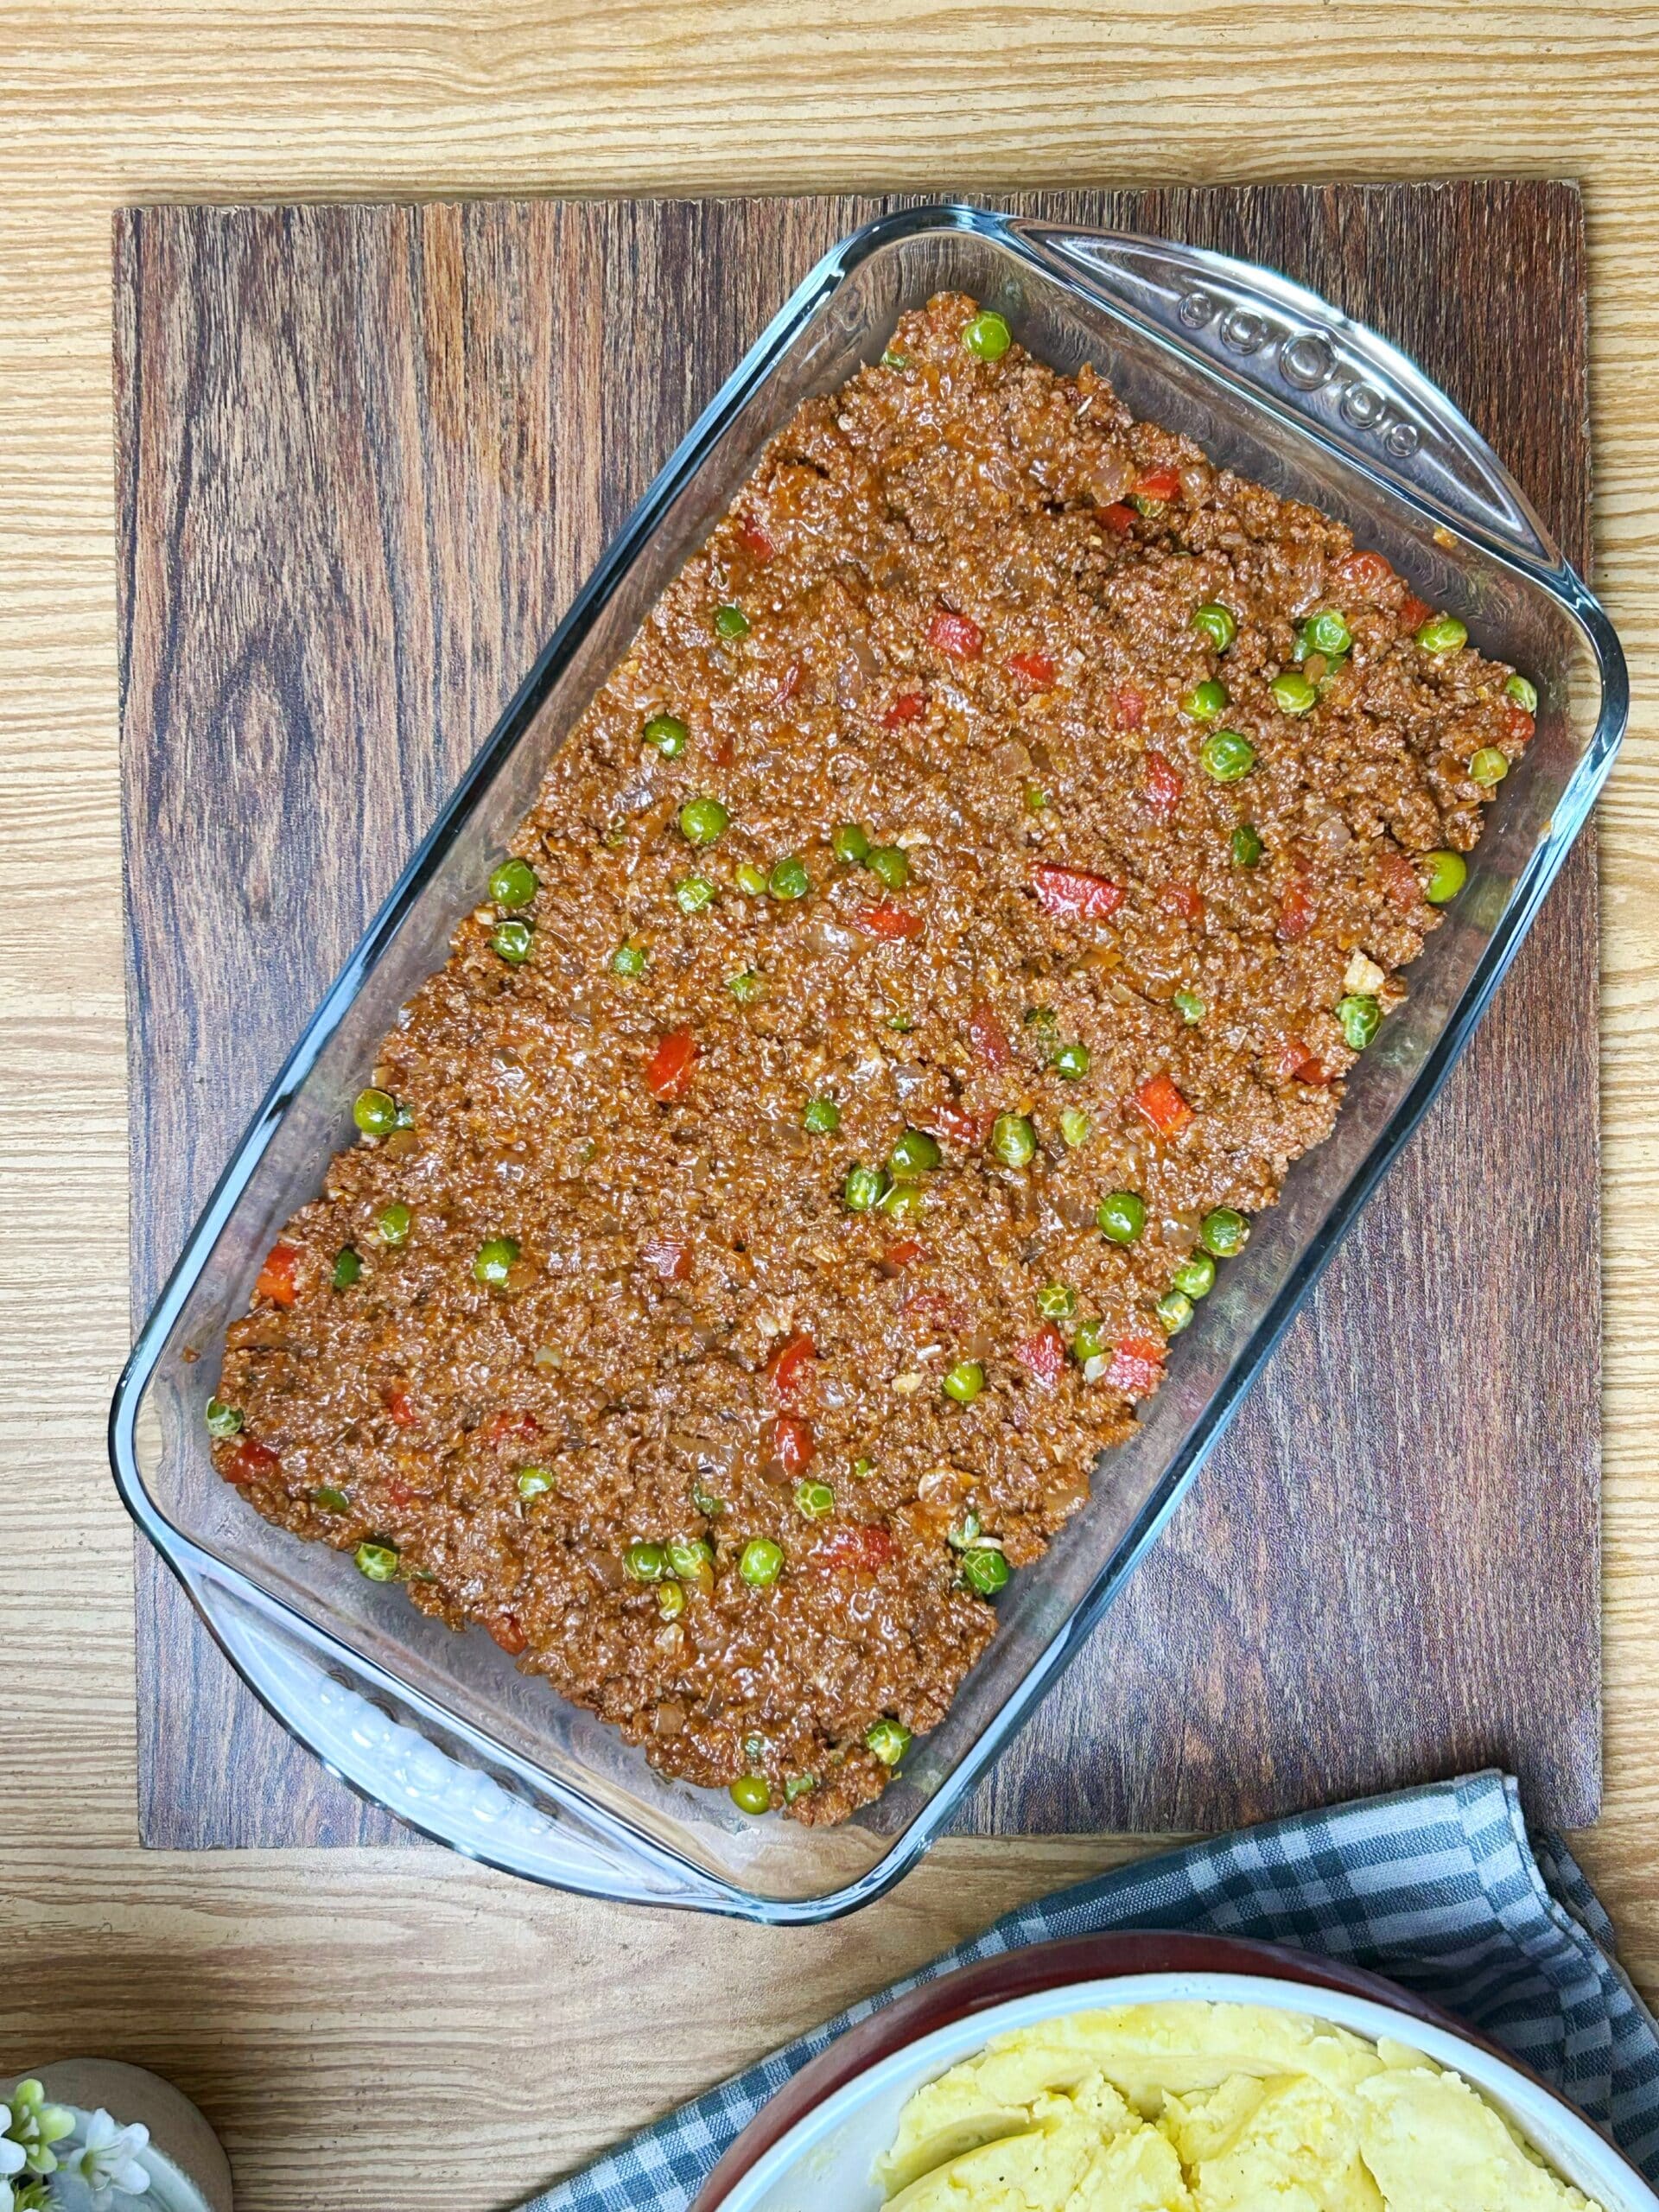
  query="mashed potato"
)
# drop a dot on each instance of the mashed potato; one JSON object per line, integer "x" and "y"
{"x": 1196, "y": 2108}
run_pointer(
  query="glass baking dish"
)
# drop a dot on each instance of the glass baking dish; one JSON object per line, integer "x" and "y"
{"x": 1269, "y": 380}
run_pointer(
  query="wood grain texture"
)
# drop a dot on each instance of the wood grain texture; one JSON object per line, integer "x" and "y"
{"x": 367, "y": 455}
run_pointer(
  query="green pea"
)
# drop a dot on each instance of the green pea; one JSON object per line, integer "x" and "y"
{"x": 377, "y": 1561}
{"x": 1361, "y": 1017}
{"x": 1088, "y": 1342}
{"x": 703, "y": 821}
{"x": 1013, "y": 1139}
{"x": 1188, "y": 1005}
{"x": 690, "y": 1557}
{"x": 514, "y": 883}
{"x": 348, "y": 1267}
{"x": 1225, "y": 755}
{"x": 1056, "y": 1302}
{"x": 984, "y": 1570}
{"x": 889, "y": 1740}
{"x": 1222, "y": 1232}
{"x": 645, "y": 1561}
{"x": 789, "y": 878}
{"x": 1489, "y": 767}
{"x": 668, "y": 734}
{"x": 731, "y": 622}
{"x": 1205, "y": 702}
{"x": 891, "y": 359}
{"x": 890, "y": 864}
{"x": 813, "y": 1499}
{"x": 330, "y": 1499}
{"x": 904, "y": 1023}
{"x": 761, "y": 1563}
{"x": 511, "y": 941}
{"x": 629, "y": 959}
{"x": 797, "y": 1785}
{"x": 864, "y": 1188}
{"x": 904, "y": 1202}
{"x": 496, "y": 1260}
{"x": 670, "y": 1600}
{"x": 822, "y": 1116}
{"x": 1292, "y": 692}
{"x": 1036, "y": 798}
{"x": 1071, "y": 1061}
{"x": 694, "y": 894}
{"x": 534, "y": 1482}
{"x": 1196, "y": 1276}
{"x": 751, "y": 1793}
{"x": 1447, "y": 873}
{"x": 1040, "y": 1017}
{"x": 392, "y": 1223}
{"x": 987, "y": 336}
{"x": 223, "y": 1421}
{"x": 750, "y": 880}
{"x": 1123, "y": 1216}
{"x": 916, "y": 1153}
{"x": 1174, "y": 1310}
{"x": 1245, "y": 845}
{"x": 706, "y": 1501}
{"x": 1524, "y": 694}
{"x": 1075, "y": 1126}
{"x": 1327, "y": 633}
{"x": 1217, "y": 623}
{"x": 851, "y": 844}
{"x": 1442, "y": 634}
{"x": 745, "y": 987}
{"x": 375, "y": 1113}
{"x": 964, "y": 1382}
{"x": 864, "y": 1469}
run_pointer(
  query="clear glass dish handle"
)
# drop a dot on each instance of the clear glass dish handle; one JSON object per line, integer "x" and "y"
{"x": 1288, "y": 347}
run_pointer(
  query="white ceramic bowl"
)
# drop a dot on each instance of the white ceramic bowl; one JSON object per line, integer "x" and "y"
{"x": 824, "y": 2163}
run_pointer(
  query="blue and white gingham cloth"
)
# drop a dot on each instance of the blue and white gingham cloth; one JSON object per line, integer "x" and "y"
{"x": 1441, "y": 1889}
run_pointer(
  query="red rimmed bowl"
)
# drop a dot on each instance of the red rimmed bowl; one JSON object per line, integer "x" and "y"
{"x": 813, "y": 2145}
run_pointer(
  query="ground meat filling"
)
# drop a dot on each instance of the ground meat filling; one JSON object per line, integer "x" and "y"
{"x": 933, "y": 944}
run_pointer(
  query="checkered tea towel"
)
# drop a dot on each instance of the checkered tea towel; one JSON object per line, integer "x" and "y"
{"x": 1441, "y": 1889}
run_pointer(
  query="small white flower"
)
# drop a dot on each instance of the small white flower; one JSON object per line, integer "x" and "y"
{"x": 106, "y": 2160}
{"x": 13, "y": 2158}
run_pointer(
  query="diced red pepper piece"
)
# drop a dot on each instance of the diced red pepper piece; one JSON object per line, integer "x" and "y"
{"x": 725, "y": 753}
{"x": 507, "y": 1633}
{"x": 958, "y": 637}
{"x": 785, "y": 1370}
{"x": 252, "y": 1462}
{"x": 1073, "y": 894}
{"x": 889, "y": 921}
{"x": 1296, "y": 911}
{"x": 955, "y": 1124}
{"x": 509, "y": 1422}
{"x": 667, "y": 1258}
{"x": 1399, "y": 878}
{"x": 1128, "y": 707}
{"x": 788, "y": 685}
{"x": 1118, "y": 517}
{"x": 669, "y": 1069}
{"x": 398, "y": 1493}
{"x": 1157, "y": 483}
{"x": 1035, "y": 671}
{"x": 792, "y": 1442}
{"x": 908, "y": 707}
{"x": 1185, "y": 899}
{"x": 1043, "y": 1354}
{"x": 1293, "y": 1059}
{"x": 1163, "y": 1105}
{"x": 754, "y": 538}
{"x": 898, "y": 1257}
{"x": 987, "y": 1036}
{"x": 277, "y": 1278}
{"x": 1137, "y": 1367}
{"x": 401, "y": 1408}
{"x": 864, "y": 1546}
{"x": 1363, "y": 572}
{"x": 1518, "y": 724}
{"x": 1164, "y": 784}
{"x": 1414, "y": 611}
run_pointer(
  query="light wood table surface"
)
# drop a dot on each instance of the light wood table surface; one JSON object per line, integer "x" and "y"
{"x": 383, "y": 2032}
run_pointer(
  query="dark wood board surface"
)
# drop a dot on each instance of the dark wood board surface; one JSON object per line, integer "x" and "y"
{"x": 366, "y": 456}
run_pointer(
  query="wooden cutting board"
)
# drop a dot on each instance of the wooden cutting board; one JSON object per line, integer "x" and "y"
{"x": 366, "y": 455}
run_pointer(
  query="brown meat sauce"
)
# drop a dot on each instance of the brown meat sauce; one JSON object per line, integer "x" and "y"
{"x": 670, "y": 1248}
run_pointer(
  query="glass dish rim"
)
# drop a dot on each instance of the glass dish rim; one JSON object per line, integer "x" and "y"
{"x": 1544, "y": 568}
